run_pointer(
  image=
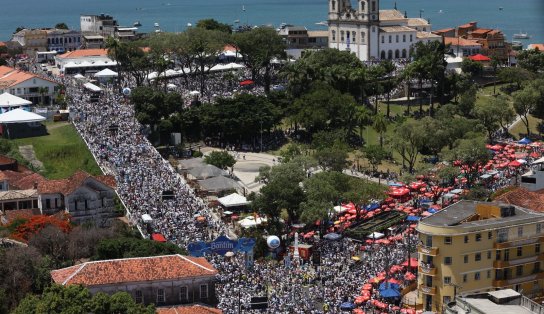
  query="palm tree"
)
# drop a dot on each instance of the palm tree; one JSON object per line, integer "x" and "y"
{"x": 43, "y": 91}
{"x": 114, "y": 46}
{"x": 362, "y": 115}
{"x": 390, "y": 83}
{"x": 380, "y": 125}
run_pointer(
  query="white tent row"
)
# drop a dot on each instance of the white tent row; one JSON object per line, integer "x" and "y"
{"x": 9, "y": 100}
{"x": 92, "y": 87}
{"x": 20, "y": 116}
{"x": 87, "y": 64}
{"x": 106, "y": 73}
{"x": 233, "y": 200}
{"x": 216, "y": 68}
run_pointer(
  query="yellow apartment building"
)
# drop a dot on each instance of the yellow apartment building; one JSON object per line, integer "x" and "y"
{"x": 474, "y": 247}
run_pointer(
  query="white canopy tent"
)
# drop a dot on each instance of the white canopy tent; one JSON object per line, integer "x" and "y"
{"x": 20, "y": 116}
{"x": 79, "y": 76}
{"x": 233, "y": 200}
{"x": 250, "y": 221}
{"x": 147, "y": 218}
{"x": 8, "y": 100}
{"x": 376, "y": 235}
{"x": 92, "y": 87}
{"x": 106, "y": 73}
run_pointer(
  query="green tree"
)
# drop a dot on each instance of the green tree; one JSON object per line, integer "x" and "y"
{"x": 408, "y": 139}
{"x": 124, "y": 247}
{"x": 470, "y": 151}
{"x": 515, "y": 75}
{"x": 467, "y": 101}
{"x": 531, "y": 60}
{"x": 220, "y": 159}
{"x": 492, "y": 114}
{"x": 259, "y": 47}
{"x": 474, "y": 68}
{"x": 375, "y": 155}
{"x": 214, "y": 25}
{"x": 380, "y": 125}
{"x": 525, "y": 102}
{"x": 61, "y": 26}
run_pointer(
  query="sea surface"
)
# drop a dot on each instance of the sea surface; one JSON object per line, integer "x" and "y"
{"x": 174, "y": 15}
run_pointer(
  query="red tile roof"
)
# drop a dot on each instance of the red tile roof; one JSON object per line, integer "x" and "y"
{"x": 459, "y": 41}
{"x": 27, "y": 182}
{"x": 69, "y": 185}
{"x": 2, "y": 44}
{"x": 523, "y": 198}
{"x": 481, "y": 31}
{"x": 168, "y": 267}
{"x": 107, "y": 180}
{"x": 84, "y": 53}
{"x": 4, "y": 160}
{"x": 192, "y": 309}
{"x": 10, "y": 77}
{"x": 536, "y": 46}
{"x": 467, "y": 25}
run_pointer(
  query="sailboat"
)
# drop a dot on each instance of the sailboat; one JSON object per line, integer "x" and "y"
{"x": 522, "y": 35}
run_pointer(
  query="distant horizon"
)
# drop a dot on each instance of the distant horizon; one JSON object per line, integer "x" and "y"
{"x": 173, "y": 16}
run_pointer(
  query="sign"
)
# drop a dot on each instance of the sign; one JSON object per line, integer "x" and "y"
{"x": 222, "y": 245}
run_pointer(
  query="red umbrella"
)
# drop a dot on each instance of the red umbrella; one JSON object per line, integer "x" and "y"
{"x": 246, "y": 83}
{"x": 514, "y": 164}
{"x": 479, "y": 57}
{"x": 413, "y": 262}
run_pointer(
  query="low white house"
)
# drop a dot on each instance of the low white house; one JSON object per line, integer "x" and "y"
{"x": 27, "y": 85}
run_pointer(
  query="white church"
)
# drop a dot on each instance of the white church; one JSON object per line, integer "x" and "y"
{"x": 374, "y": 34}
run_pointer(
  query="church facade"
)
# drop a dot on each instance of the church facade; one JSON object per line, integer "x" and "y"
{"x": 374, "y": 34}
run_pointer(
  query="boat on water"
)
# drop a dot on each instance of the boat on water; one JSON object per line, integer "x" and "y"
{"x": 322, "y": 23}
{"x": 517, "y": 45}
{"x": 522, "y": 35}
{"x": 157, "y": 25}
{"x": 137, "y": 24}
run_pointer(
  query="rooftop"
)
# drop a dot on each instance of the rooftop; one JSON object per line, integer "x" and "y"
{"x": 459, "y": 41}
{"x": 396, "y": 29}
{"x": 82, "y": 53}
{"x": 523, "y": 198}
{"x": 464, "y": 214}
{"x": 468, "y": 25}
{"x": 417, "y": 21}
{"x": 505, "y": 301}
{"x": 191, "y": 309}
{"x": 388, "y": 15}
{"x": 17, "y": 194}
{"x": 444, "y": 30}
{"x": 536, "y": 46}
{"x": 427, "y": 35}
{"x": 138, "y": 269}
{"x": 10, "y": 76}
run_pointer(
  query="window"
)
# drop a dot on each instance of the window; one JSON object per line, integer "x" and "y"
{"x": 342, "y": 36}
{"x": 411, "y": 37}
{"x": 466, "y": 239}
{"x": 362, "y": 38}
{"x": 478, "y": 257}
{"x": 373, "y": 5}
{"x": 362, "y": 5}
{"x": 447, "y": 280}
{"x": 390, "y": 39}
{"x": 160, "y": 295}
{"x": 353, "y": 37}
{"x": 403, "y": 38}
{"x": 447, "y": 260}
{"x": 520, "y": 231}
{"x": 502, "y": 235}
{"x": 519, "y": 251}
{"x": 536, "y": 267}
{"x": 47, "y": 203}
{"x": 447, "y": 240}
{"x": 538, "y": 228}
{"x": 334, "y": 5}
{"x": 404, "y": 53}
{"x": 478, "y": 237}
{"x": 203, "y": 291}
{"x": 489, "y": 274}
{"x": 465, "y": 259}
{"x": 488, "y": 254}
{"x": 383, "y": 39}
{"x": 519, "y": 270}
{"x": 397, "y": 38}
{"x": 477, "y": 275}
{"x": 184, "y": 293}
{"x": 447, "y": 299}
{"x": 333, "y": 35}
{"x": 465, "y": 278}
{"x": 537, "y": 248}
{"x": 139, "y": 297}
{"x": 490, "y": 235}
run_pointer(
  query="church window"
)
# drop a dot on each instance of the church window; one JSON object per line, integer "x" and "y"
{"x": 390, "y": 39}
{"x": 373, "y": 6}
{"x": 342, "y": 36}
{"x": 404, "y": 53}
{"x": 333, "y": 5}
{"x": 362, "y": 5}
{"x": 383, "y": 39}
{"x": 362, "y": 37}
{"x": 333, "y": 35}
{"x": 397, "y": 54}
{"x": 390, "y": 54}
{"x": 404, "y": 38}
{"x": 397, "y": 38}
{"x": 373, "y": 29}
{"x": 354, "y": 36}
{"x": 383, "y": 54}
{"x": 411, "y": 37}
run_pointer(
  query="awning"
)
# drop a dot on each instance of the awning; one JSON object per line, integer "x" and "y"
{"x": 376, "y": 235}
{"x": 233, "y": 200}
{"x": 479, "y": 57}
{"x": 9, "y": 100}
{"x": 158, "y": 237}
{"x": 20, "y": 116}
{"x": 92, "y": 87}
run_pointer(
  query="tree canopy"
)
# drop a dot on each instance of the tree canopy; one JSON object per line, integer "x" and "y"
{"x": 220, "y": 159}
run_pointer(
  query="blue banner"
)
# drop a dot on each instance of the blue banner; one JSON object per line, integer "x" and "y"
{"x": 221, "y": 245}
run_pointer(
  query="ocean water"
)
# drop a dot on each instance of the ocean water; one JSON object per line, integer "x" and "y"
{"x": 174, "y": 15}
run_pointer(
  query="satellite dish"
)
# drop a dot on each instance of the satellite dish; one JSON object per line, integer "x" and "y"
{"x": 273, "y": 242}
{"x": 127, "y": 91}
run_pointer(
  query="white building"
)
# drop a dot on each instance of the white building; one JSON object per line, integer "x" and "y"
{"x": 84, "y": 60}
{"x": 26, "y": 85}
{"x": 372, "y": 33}
{"x": 102, "y": 24}
{"x": 462, "y": 47}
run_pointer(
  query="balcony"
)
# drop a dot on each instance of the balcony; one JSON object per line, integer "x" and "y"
{"x": 517, "y": 242}
{"x": 514, "y": 281}
{"x": 428, "y": 250}
{"x": 427, "y": 290}
{"x": 429, "y": 271}
{"x": 519, "y": 261}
